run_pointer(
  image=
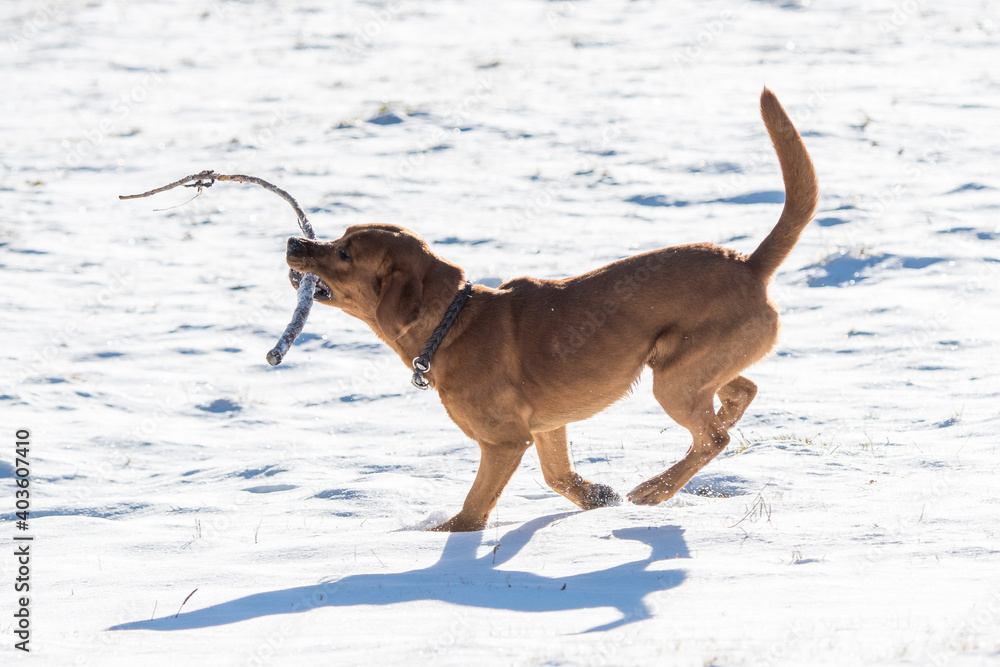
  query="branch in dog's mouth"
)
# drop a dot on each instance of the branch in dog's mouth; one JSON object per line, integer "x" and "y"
{"x": 308, "y": 285}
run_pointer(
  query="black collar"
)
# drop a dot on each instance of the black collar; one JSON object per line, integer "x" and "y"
{"x": 422, "y": 364}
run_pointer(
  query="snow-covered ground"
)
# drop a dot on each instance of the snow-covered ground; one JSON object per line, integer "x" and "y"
{"x": 855, "y": 518}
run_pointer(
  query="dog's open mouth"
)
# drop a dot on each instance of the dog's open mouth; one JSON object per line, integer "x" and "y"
{"x": 322, "y": 291}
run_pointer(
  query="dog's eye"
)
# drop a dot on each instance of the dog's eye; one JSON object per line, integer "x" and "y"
{"x": 343, "y": 254}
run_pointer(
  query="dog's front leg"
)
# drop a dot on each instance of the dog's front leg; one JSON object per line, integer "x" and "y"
{"x": 557, "y": 468}
{"x": 496, "y": 466}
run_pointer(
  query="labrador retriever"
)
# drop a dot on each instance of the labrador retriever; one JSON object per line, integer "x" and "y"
{"x": 515, "y": 364}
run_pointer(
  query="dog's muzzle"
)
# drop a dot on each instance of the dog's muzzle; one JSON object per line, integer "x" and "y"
{"x": 300, "y": 249}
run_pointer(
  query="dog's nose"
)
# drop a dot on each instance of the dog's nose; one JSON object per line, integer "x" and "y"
{"x": 296, "y": 247}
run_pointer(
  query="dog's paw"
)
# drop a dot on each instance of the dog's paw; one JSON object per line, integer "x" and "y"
{"x": 650, "y": 493}
{"x": 639, "y": 498}
{"x": 458, "y": 524}
{"x": 600, "y": 495}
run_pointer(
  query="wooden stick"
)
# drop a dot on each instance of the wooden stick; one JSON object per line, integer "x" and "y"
{"x": 306, "y": 291}
{"x": 307, "y": 282}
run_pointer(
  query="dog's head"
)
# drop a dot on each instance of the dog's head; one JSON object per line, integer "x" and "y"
{"x": 377, "y": 273}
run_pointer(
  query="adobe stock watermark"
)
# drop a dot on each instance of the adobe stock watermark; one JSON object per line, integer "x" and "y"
{"x": 543, "y": 201}
{"x": 274, "y": 643}
{"x": 260, "y": 314}
{"x": 710, "y": 32}
{"x": 985, "y": 619}
{"x": 819, "y": 96}
{"x": 111, "y": 122}
{"x": 415, "y": 159}
{"x": 901, "y": 14}
{"x": 102, "y": 469}
{"x": 43, "y": 355}
{"x": 262, "y": 137}
{"x": 374, "y": 369}
{"x": 798, "y": 633}
{"x": 943, "y": 487}
{"x": 222, "y": 8}
{"x": 461, "y": 627}
{"x": 933, "y": 325}
{"x": 575, "y": 336}
{"x": 366, "y": 35}
{"x": 37, "y": 23}
{"x": 566, "y": 9}
{"x": 22, "y": 542}
{"x": 914, "y": 171}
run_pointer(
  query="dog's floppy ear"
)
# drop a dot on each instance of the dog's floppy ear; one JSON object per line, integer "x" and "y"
{"x": 398, "y": 303}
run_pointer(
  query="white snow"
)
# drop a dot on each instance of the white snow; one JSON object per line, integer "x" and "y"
{"x": 853, "y": 519}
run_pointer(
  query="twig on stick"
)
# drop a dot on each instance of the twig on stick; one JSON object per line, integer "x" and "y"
{"x": 187, "y": 179}
{"x": 308, "y": 283}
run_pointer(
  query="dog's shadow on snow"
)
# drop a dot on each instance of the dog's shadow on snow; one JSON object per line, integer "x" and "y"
{"x": 461, "y": 577}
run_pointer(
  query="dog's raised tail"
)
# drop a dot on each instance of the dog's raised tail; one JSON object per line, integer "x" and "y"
{"x": 801, "y": 190}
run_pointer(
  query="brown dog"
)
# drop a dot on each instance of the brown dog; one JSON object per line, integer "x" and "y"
{"x": 523, "y": 360}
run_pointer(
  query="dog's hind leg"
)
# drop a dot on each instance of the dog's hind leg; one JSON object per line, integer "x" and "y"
{"x": 735, "y": 398}
{"x": 557, "y": 468}
{"x": 497, "y": 464}
{"x": 695, "y": 412}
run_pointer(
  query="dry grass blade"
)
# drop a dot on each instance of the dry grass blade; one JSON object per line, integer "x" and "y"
{"x": 759, "y": 509}
{"x": 185, "y": 602}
